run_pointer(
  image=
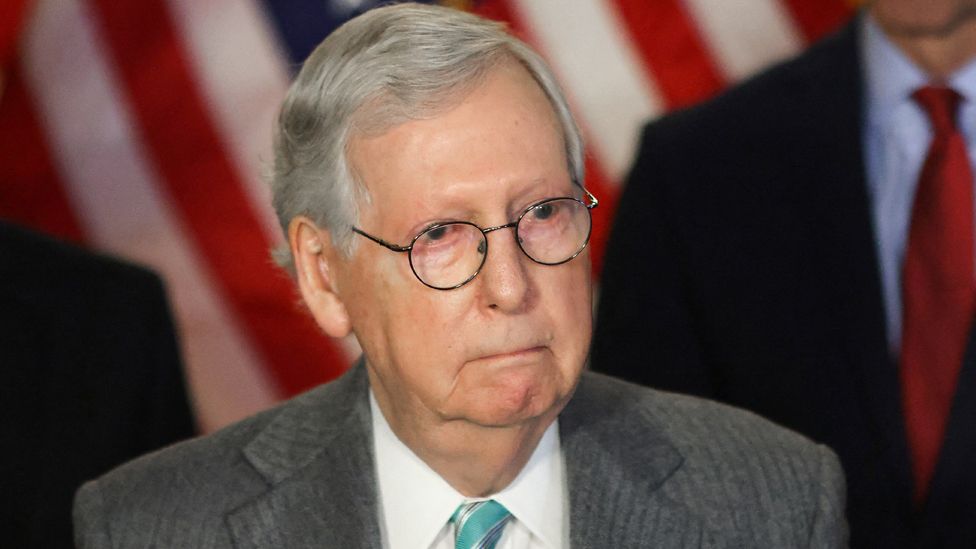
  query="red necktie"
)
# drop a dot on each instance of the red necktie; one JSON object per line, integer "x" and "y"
{"x": 938, "y": 285}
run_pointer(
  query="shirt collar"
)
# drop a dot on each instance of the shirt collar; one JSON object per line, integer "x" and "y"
{"x": 890, "y": 77}
{"x": 536, "y": 497}
{"x": 964, "y": 81}
{"x": 416, "y": 502}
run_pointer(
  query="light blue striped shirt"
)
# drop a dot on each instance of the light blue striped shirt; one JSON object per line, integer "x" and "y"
{"x": 896, "y": 139}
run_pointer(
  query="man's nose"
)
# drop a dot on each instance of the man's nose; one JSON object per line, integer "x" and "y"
{"x": 505, "y": 283}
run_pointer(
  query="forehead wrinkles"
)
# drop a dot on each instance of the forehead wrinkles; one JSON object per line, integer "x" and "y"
{"x": 383, "y": 155}
{"x": 386, "y": 112}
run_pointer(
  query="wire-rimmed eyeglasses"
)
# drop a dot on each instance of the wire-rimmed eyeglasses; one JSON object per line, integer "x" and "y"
{"x": 446, "y": 256}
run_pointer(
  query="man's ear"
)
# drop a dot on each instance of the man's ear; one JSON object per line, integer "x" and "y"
{"x": 314, "y": 257}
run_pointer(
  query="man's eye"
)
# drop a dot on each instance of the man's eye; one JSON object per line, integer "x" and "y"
{"x": 436, "y": 233}
{"x": 544, "y": 211}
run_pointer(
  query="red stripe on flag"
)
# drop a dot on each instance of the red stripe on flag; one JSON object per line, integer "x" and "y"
{"x": 13, "y": 13}
{"x": 671, "y": 49}
{"x": 597, "y": 181}
{"x": 31, "y": 192}
{"x": 501, "y": 10}
{"x": 189, "y": 157}
{"x": 819, "y": 17}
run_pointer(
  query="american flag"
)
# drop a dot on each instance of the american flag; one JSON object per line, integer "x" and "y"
{"x": 143, "y": 129}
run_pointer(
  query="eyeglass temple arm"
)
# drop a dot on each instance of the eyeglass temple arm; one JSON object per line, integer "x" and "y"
{"x": 593, "y": 201}
{"x": 382, "y": 242}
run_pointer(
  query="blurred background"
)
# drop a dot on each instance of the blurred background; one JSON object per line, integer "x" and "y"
{"x": 142, "y": 129}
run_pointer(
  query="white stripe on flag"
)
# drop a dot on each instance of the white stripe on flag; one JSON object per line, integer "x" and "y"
{"x": 115, "y": 193}
{"x": 241, "y": 71}
{"x": 745, "y": 36}
{"x": 241, "y": 67}
{"x": 604, "y": 76}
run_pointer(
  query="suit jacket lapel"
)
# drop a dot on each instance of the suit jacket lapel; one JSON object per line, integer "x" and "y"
{"x": 839, "y": 198}
{"x": 317, "y": 452}
{"x": 952, "y": 494}
{"x": 615, "y": 468}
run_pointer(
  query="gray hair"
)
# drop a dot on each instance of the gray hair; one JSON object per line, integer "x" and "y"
{"x": 387, "y": 66}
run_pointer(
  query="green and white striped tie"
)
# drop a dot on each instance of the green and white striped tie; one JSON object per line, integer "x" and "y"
{"x": 479, "y": 524}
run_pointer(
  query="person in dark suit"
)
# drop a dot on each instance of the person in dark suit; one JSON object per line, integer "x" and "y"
{"x": 757, "y": 258}
{"x": 92, "y": 377}
{"x": 429, "y": 175}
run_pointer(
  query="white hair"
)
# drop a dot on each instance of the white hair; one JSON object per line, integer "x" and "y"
{"x": 387, "y": 66}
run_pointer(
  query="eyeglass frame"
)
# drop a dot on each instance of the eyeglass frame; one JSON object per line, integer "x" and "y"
{"x": 513, "y": 224}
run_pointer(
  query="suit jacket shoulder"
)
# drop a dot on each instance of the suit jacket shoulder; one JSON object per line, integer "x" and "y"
{"x": 91, "y": 370}
{"x": 272, "y": 480}
{"x": 40, "y": 267}
{"x": 822, "y": 85}
{"x": 677, "y": 471}
{"x": 733, "y": 211}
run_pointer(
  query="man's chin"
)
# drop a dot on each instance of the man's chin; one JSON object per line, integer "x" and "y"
{"x": 515, "y": 409}
{"x": 512, "y": 394}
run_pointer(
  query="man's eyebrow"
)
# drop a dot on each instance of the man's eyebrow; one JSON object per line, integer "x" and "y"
{"x": 438, "y": 218}
{"x": 458, "y": 207}
{"x": 541, "y": 188}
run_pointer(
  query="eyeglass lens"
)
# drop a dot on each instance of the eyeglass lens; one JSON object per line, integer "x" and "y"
{"x": 551, "y": 232}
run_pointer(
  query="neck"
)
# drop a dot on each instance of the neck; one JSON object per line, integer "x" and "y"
{"x": 939, "y": 51}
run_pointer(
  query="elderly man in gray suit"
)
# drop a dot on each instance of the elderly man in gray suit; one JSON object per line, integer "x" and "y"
{"x": 429, "y": 176}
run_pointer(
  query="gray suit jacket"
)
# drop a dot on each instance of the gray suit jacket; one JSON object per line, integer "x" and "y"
{"x": 644, "y": 469}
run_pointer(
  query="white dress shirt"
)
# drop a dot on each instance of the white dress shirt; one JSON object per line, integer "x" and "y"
{"x": 897, "y": 134}
{"x": 415, "y": 503}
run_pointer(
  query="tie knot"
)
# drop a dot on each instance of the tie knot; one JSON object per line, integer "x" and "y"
{"x": 479, "y": 524}
{"x": 940, "y": 103}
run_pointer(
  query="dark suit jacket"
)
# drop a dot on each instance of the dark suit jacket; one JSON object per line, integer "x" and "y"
{"x": 644, "y": 469}
{"x": 91, "y": 378}
{"x": 742, "y": 267}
